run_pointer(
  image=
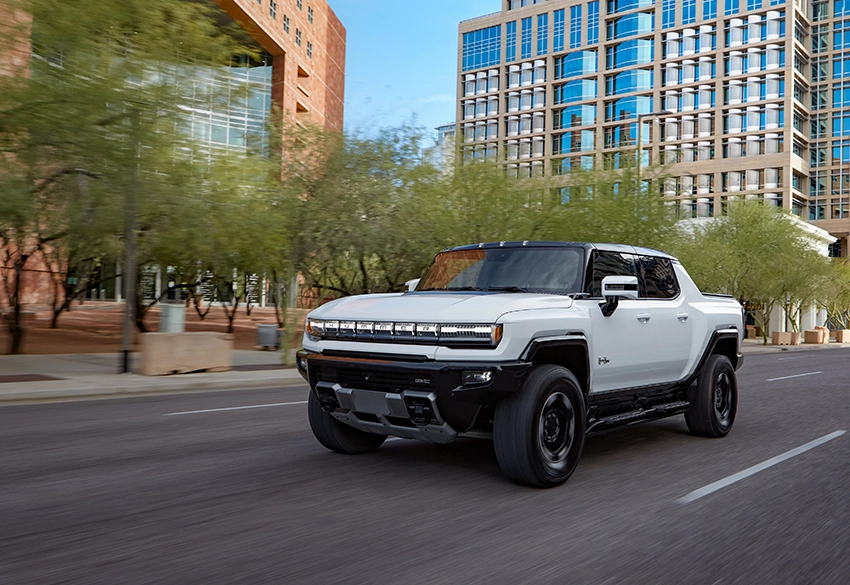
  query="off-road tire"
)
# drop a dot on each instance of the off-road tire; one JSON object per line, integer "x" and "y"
{"x": 539, "y": 431}
{"x": 338, "y": 436}
{"x": 714, "y": 399}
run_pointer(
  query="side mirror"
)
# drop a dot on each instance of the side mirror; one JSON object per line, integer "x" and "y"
{"x": 624, "y": 287}
{"x": 411, "y": 284}
{"x": 615, "y": 288}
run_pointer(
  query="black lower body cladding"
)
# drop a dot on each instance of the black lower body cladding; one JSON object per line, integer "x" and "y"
{"x": 459, "y": 403}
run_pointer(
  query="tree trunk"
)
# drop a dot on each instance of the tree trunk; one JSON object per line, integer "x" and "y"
{"x": 197, "y": 304}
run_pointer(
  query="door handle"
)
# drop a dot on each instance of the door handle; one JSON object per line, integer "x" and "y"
{"x": 643, "y": 317}
{"x": 682, "y": 317}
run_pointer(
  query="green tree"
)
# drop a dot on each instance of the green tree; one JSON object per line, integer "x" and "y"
{"x": 602, "y": 205}
{"x": 754, "y": 253}
{"x": 101, "y": 99}
{"x": 355, "y": 209}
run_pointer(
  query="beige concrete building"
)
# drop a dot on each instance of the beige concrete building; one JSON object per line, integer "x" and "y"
{"x": 735, "y": 97}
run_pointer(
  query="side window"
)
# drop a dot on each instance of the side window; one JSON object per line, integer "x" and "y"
{"x": 657, "y": 279}
{"x": 609, "y": 264}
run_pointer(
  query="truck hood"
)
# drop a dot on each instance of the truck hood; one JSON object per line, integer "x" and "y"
{"x": 437, "y": 306}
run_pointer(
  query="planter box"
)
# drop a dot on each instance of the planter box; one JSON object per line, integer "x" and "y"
{"x": 816, "y": 336}
{"x": 842, "y": 336}
{"x": 179, "y": 353}
{"x": 785, "y": 338}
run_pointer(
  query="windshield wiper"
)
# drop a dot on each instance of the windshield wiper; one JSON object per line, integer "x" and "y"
{"x": 462, "y": 288}
{"x": 508, "y": 289}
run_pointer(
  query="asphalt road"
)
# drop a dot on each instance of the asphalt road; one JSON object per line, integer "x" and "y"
{"x": 126, "y": 492}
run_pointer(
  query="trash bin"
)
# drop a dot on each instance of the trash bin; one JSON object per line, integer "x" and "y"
{"x": 268, "y": 335}
{"x": 172, "y": 319}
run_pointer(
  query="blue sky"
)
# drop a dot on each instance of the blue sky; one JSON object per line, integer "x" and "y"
{"x": 402, "y": 59}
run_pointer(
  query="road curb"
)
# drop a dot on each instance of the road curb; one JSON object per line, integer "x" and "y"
{"x": 769, "y": 348}
{"x": 35, "y": 396}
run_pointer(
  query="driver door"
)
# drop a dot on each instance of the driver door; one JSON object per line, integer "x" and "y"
{"x": 618, "y": 344}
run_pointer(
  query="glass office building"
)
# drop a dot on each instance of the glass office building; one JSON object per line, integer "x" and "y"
{"x": 745, "y": 98}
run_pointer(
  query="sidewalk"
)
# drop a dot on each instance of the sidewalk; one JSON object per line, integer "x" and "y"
{"x": 36, "y": 378}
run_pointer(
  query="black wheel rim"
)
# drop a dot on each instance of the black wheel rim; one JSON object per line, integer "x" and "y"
{"x": 723, "y": 397}
{"x": 556, "y": 430}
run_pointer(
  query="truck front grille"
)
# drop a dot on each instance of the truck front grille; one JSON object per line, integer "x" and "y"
{"x": 365, "y": 379}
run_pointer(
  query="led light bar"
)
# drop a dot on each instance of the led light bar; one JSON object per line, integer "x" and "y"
{"x": 419, "y": 333}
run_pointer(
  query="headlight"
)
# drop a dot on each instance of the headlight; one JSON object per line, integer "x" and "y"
{"x": 314, "y": 328}
{"x": 451, "y": 335}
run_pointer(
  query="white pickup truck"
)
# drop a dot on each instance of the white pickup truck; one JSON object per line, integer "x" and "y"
{"x": 533, "y": 343}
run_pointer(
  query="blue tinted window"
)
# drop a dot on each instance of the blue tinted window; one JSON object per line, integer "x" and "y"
{"x": 668, "y": 14}
{"x": 841, "y": 67}
{"x": 574, "y": 64}
{"x": 689, "y": 11}
{"x": 526, "y": 38}
{"x": 575, "y": 26}
{"x": 615, "y": 6}
{"x": 777, "y": 2}
{"x": 563, "y": 167}
{"x": 558, "y": 33}
{"x": 573, "y": 117}
{"x": 636, "y": 52}
{"x": 625, "y": 108}
{"x": 577, "y": 90}
{"x": 630, "y": 25}
{"x": 709, "y": 9}
{"x": 753, "y": 4}
{"x": 577, "y": 141}
{"x": 629, "y": 81}
{"x": 510, "y": 42}
{"x": 842, "y": 7}
{"x": 482, "y": 48}
{"x": 542, "y": 34}
{"x": 732, "y": 7}
{"x": 593, "y": 22}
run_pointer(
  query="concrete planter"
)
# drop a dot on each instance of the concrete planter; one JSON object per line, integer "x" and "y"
{"x": 816, "y": 336}
{"x": 785, "y": 338}
{"x": 842, "y": 336}
{"x": 179, "y": 353}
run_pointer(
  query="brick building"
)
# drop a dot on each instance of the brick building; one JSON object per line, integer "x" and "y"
{"x": 302, "y": 71}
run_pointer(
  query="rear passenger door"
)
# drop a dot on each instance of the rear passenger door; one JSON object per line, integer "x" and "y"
{"x": 669, "y": 326}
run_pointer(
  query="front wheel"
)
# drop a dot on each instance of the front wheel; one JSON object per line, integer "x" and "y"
{"x": 538, "y": 433}
{"x": 714, "y": 399}
{"x": 338, "y": 436}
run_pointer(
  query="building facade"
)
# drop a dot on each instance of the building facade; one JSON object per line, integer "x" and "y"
{"x": 735, "y": 97}
{"x": 301, "y": 70}
{"x": 305, "y": 42}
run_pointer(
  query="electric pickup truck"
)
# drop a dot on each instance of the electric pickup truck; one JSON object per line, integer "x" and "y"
{"x": 532, "y": 344}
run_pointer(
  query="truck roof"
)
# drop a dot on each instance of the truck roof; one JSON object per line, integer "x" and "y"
{"x": 552, "y": 244}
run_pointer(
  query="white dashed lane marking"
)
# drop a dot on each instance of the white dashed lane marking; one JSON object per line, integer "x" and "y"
{"x": 794, "y": 376}
{"x": 236, "y": 408}
{"x": 727, "y": 481}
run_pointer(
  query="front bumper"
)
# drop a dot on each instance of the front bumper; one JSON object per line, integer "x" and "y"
{"x": 407, "y": 397}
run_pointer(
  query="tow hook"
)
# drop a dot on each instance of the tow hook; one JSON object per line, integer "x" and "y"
{"x": 420, "y": 410}
{"x": 327, "y": 397}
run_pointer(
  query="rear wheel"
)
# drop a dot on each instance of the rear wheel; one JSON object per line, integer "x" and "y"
{"x": 538, "y": 432}
{"x": 714, "y": 399}
{"x": 338, "y": 436}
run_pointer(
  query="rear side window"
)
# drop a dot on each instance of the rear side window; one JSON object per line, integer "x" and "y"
{"x": 657, "y": 279}
{"x": 609, "y": 264}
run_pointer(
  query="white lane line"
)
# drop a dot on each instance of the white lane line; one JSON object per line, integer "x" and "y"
{"x": 236, "y": 408}
{"x": 786, "y": 359}
{"x": 719, "y": 485}
{"x": 794, "y": 376}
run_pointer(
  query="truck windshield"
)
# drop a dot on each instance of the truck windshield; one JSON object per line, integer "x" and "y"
{"x": 536, "y": 270}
